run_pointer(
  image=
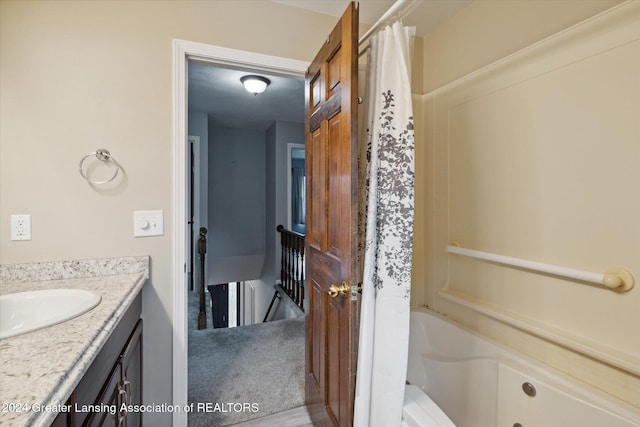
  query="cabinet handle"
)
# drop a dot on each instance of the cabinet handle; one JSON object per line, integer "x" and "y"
{"x": 127, "y": 388}
{"x": 122, "y": 415}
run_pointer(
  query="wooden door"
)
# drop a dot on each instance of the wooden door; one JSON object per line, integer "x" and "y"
{"x": 331, "y": 129}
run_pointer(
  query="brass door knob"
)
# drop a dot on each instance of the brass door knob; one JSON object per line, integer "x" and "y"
{"x": 335, "y": 290}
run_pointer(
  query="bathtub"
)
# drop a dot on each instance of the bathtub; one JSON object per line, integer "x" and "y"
{"x": 477, "y": 383}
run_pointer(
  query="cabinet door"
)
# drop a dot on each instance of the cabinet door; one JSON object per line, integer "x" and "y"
{"x": 109, "y": 398}
{"x": 91, "y": 389}
{"x": 62, "y": 420}
{"x": 123, "y": 387}
{"x": 132, "y": 376}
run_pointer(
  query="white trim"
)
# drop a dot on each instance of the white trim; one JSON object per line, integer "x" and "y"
{"x": 595, "y": 350}
{"x": 179, "y": 388}
{"x": 183, "y": 50}
{"x": 243, "y": 59}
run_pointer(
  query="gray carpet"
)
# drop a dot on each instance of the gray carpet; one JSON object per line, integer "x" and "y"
{"x": 243, "y": 373}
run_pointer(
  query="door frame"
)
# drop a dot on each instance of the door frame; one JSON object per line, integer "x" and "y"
{"x": 250, "y": 61}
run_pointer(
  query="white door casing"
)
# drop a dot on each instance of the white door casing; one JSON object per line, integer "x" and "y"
{"x": 182, "y": 51}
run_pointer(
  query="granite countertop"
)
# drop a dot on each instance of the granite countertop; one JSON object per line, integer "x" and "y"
{"x": 40, "y": 369}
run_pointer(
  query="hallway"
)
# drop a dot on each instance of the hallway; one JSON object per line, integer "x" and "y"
{"x": 245, "y": 373}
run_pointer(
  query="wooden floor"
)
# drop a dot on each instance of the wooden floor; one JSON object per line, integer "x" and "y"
{"x": 296, "y": 417}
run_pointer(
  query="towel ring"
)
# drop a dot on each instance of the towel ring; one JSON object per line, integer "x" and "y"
{"x": 103, "y": 155}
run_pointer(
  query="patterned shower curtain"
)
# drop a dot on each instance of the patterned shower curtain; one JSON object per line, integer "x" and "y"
{"x": 387, "y": 181}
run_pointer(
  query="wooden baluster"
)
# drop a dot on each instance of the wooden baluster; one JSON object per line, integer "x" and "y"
{"x": 292, "y": 265}
{"x": 297, "y": 273}
{"x": 294, "y": 242}
{"x": 291, "y": 277}
{"x": 283, "y": 248}
{"x": 286, "y": 262}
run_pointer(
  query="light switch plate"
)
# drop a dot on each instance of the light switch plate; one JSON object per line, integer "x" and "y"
{"x": 148, "y": 223}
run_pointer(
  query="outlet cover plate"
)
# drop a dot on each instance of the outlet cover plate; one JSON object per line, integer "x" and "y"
{"x": 148, "y": 223}
{"x": 20, "y": 227}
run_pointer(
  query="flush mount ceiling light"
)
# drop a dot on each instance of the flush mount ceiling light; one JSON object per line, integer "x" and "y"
{"x": 255, "y": 84}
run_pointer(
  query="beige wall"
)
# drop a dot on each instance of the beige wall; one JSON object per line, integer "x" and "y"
{"x": 488, "y": 30}
{"x": 514, "y": 161}
{"x": 80, "y": 75}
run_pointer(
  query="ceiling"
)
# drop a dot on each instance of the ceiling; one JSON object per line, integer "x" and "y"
{"x": 425, "y": 16}
{"x": 218, "y": 92}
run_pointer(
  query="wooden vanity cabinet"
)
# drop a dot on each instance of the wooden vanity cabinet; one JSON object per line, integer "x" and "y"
{"x": 123, "y": 387}
{"x": 114, "y": 378}
{"x": 131, "y": 366}
{"x": 110, "y": 396}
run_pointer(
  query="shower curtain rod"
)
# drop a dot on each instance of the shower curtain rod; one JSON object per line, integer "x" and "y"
{"x": 398, "y": 10}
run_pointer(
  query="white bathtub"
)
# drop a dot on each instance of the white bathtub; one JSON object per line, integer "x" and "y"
{"x": 480, "y": 384}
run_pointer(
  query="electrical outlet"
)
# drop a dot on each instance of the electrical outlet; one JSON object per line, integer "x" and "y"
{"x": 20, "y": 227}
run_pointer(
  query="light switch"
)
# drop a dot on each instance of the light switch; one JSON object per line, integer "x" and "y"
{"x": 148, "y": 223}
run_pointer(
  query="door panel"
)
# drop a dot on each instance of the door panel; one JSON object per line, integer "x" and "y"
{"x": 334, "y": 188}
{"x": 333, "y": 355}
{"x": 331, "y": 105}
{"x": 317, "y": 181}
{"x": 317, "y": 336}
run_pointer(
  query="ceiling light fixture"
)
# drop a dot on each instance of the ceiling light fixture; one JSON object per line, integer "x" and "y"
{"x": 255, "y": 84}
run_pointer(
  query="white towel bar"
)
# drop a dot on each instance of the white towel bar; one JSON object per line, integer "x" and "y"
{"x": 616, "y": 279}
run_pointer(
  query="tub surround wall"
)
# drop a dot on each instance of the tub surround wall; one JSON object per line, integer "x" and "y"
{"x": 517, "y": 157}
{"x": 488, "y": 30}
{"x": 43, "y": 367}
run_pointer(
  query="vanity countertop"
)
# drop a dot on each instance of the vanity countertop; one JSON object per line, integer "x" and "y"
{"x": 40, "y": 369}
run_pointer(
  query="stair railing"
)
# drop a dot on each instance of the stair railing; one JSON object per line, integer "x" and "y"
{"x": 292, "y": 264}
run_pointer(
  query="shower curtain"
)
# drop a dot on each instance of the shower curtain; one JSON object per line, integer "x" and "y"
{"x": 387, "y": 180}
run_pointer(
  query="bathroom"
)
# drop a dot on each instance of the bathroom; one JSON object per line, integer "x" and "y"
{"x": 77, "y": 76}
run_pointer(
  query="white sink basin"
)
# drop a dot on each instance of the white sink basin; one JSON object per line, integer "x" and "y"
{"x": 24, "y": 312}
